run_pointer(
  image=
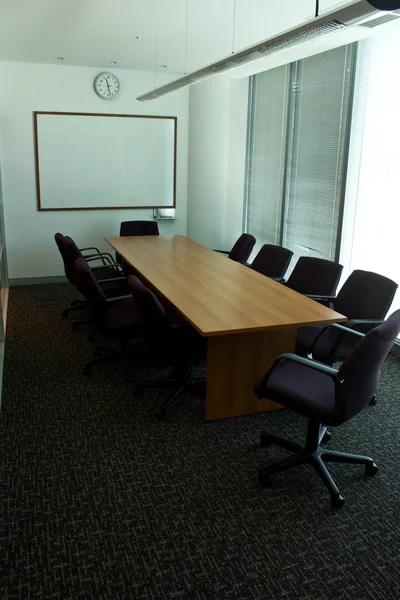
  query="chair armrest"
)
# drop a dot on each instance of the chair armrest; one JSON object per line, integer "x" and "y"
{"x": 112, "y": 279}
{"x": 90, "y": 248}
{"x": 320, "y": 297}
{"x": 343, "y": 328}
{"x": 312, "y": 364}
{"x": 118, "y": 298}
{"x": 353, "y": 323}
{"x": 106, "y": 258}
{"x": 221, "y": 251}
{"x": 346, "y": 329}
{"x": 306, "y": 362}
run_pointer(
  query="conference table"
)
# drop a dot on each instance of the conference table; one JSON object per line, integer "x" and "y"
{"x": 248, "y": 318}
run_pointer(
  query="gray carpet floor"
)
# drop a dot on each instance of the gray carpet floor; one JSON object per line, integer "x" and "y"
{"x": 100, "y": 501}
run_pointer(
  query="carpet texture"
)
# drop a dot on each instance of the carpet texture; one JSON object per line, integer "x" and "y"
{"x": 100, "y": 501}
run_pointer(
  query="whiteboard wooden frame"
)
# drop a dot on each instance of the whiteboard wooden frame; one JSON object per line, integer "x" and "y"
{"x": 36, "y": 114}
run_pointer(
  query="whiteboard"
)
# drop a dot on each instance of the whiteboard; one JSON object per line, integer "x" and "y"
{"x": 92, "y": 161}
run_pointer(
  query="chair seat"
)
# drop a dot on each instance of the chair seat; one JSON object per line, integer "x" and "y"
{"x": 305, "y": 391}
{"x": 322, "y": 351}
{"x": 122, "y": 318}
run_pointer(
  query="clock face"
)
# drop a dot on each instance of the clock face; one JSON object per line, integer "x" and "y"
{"x": 106, "y": 85}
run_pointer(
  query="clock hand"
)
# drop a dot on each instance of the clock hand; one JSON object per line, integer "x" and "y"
{"x": 108, "y": 85}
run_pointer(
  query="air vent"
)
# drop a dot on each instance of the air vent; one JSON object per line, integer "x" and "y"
{"x": 305, "y": 36}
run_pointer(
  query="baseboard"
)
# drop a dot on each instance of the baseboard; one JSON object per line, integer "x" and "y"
{"x": 38, "y": 280}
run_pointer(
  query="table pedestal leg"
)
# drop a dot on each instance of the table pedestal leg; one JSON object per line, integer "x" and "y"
{"x": 234, "y": 363}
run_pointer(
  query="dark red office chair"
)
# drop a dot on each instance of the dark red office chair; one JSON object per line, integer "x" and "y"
{"x": 241, "y": 249}
{"x": 114, "y": 318}
{"x": 315, "y": 276}
{"x": 327, "y": 397}
{"x": 272, "y": 261}
{"x": 365, "y": 299}
{"x": 179, "y": 347}
{"x": 133, "y": 228}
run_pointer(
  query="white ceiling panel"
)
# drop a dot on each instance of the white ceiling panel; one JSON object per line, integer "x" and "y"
{"x": 95, "y": 32}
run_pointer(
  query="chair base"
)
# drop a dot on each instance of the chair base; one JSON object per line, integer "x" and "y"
{"x": 313, "y": 454}
{"x": 181, "y": 383}
{"x": 101, "y": 355}
{"x": 75, "y": 305}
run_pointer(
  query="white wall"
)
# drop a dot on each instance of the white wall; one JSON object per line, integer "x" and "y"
{"x": 217, "y": 151}
{"x": 30, "y": 87}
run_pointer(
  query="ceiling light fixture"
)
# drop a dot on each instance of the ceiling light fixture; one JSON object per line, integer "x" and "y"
{"x": 361, "y": 13}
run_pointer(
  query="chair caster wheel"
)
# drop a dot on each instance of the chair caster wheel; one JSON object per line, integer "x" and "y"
{"x": 161, "y": 413}
{"x": 265, "y": 441}
{"x": 264, "y": 480}
{"x": 86, "y": 372}
{"x": 371, "y": 468}
{"x": 373, "y": 401}
{"x": 326, "y": 437}
{"x": 337, "y": 501}
{"x": 64, "y": 314}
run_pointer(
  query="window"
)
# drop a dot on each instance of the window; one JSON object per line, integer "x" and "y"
{"x": 297, "y": 153}
{"x": 371, "y": 224}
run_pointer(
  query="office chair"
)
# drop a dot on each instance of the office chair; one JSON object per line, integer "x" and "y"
{"x": 315, "y": 276}
{"x": 109, "y": 274}
{"x": 364, "y": 299}
{"x": 133, "y": 228}
{"x": 113, "y": 318}
{"x": 241, "y": 249}
{"x": 179, "y": 347}
{"x": 327, "y": 397}
{"x": 272, "y": 261}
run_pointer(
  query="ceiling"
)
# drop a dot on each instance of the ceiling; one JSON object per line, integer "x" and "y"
{"x": 96, "y": 32}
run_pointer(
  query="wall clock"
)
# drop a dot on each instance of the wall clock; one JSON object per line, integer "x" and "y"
{"x": 106, "y": 85}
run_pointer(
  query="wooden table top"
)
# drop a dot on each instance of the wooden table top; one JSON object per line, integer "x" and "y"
{"x": 215, "y": 294}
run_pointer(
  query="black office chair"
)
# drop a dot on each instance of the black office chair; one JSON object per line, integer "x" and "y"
{"x": 114, "y": 318}
{"x": 241, "y": 249}
{"x": 315, "y": 276}
{"x": 365, "y": 299}
{"x": 107, "y": 273}
{"x": 272, "y": 261}
{"x": 133, "y": 228}
{"x": 327, "y": 397}
{"x": 179, "y": 347}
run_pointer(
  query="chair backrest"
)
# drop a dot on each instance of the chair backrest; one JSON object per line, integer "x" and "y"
{"x": 360, "y": 372}
{"x": 136, "y": 228}
{"x": 242, "y": 248}
{"x": 272, "y": 261}
{"x": 315, "y": 276}
{"x": 72, "y": 253}
{"x": 365, "y": 295}
{"x": 154, "y": 327}
{"x": 86, "y": 282}
{"x": 59, "y": 239}
{"x": 139, "y": 228}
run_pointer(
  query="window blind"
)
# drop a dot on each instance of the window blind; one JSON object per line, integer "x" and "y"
{"x": 266, "y": 155}
{"x": 317, "y": 153}
{"x": 298, "y": 134}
